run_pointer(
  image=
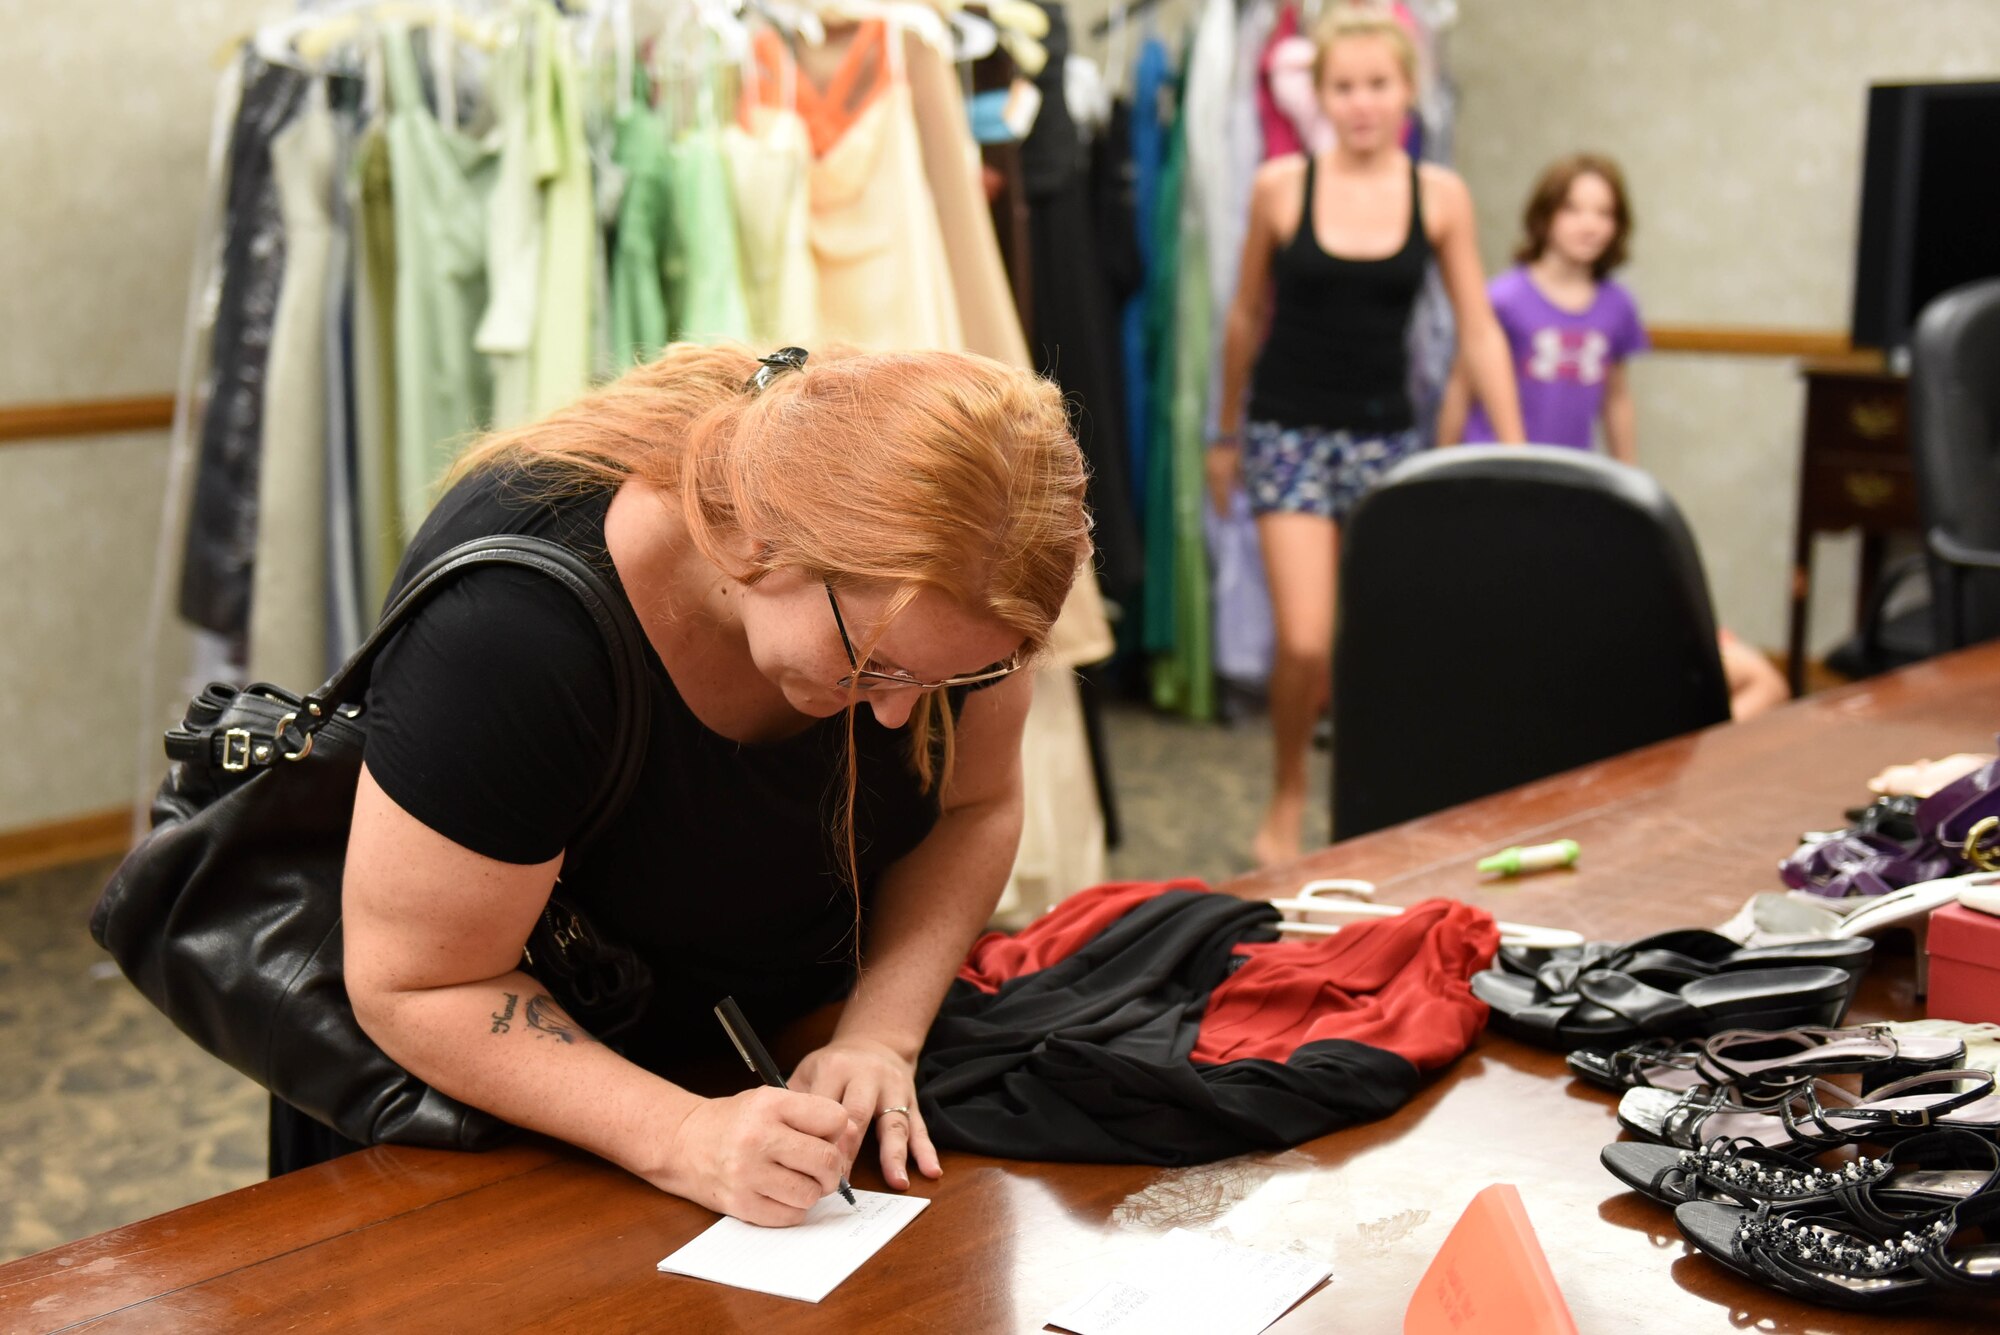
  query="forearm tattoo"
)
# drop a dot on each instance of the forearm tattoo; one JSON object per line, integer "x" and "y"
{"x": 542, "y": 1015}
{"x": 545, "y": 1016}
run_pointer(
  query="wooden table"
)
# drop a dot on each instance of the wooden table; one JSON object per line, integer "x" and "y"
{"x": 1855, "y": 472}
{"x": 542, "y": 1237}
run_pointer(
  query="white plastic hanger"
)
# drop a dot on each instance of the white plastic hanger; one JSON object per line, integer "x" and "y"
{"x": 1316, "y": 908}
{"x": 977, "y": 38}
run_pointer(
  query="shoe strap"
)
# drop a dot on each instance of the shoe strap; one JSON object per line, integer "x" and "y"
{"x": 1864, "y": 1115}
{"x": 1819, "y": 1051}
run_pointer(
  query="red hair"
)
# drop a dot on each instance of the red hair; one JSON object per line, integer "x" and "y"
{"x": 917, "y": 470}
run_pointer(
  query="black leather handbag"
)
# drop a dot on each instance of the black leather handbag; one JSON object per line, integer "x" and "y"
{"x": 227, "y": 914}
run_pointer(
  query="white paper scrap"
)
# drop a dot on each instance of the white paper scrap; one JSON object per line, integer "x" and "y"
{"x": 805, "y": 1261}
{"x": 1192, "y": 1284}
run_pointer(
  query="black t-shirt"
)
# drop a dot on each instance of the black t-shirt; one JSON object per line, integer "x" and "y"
{"x": 490, "y": 719}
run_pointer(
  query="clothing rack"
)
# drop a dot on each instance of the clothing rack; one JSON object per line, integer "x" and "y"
{"x": 291, "y": 162}
{"x": 1118, "y": 13}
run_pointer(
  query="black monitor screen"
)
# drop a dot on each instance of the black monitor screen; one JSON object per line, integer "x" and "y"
{"x": 1930, "y": 202}
{"x": 1957, "y": 234}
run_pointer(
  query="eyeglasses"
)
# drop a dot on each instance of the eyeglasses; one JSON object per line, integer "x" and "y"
{"x": 868, "y": 679}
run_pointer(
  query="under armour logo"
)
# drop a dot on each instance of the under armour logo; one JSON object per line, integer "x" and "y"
{"x": 1568, "y": 354}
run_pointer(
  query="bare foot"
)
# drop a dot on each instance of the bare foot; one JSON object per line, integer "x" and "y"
{"x": 1278, "y": 839}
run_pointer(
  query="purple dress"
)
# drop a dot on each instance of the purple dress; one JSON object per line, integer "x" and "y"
{"x": 1560, "y": 358}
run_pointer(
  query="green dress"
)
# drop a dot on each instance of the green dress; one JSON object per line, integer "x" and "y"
{"x": 378, "y": 519}
{"x": 439, "y": 184}
{"x": 639, "y": 322}
{"x": 506, "y": 333}
{"x": 704, "y": 280}
{"x": 563, "y": 347}
{"x": 1177, "y": 628}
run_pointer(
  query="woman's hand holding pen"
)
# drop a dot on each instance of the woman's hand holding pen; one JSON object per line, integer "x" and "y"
{"x": 878, "y": 1086}
{"x": 765, "y": 1155}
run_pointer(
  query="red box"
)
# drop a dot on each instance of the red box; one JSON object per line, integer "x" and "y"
{"x": 1964, "y": 947}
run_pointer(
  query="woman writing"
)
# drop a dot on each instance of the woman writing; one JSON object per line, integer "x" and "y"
{"x": 1337, "y": 246}
{"x": 838, "y": 567}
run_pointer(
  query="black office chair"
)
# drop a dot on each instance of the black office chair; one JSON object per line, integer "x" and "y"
{"x": 1955, "y": 437}
{"x": 1506, "y": 613}
{"x": 1955, "y": 446}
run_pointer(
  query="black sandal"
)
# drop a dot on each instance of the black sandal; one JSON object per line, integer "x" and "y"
{"x": 1765, "y": 1066}
{"x": 1610, "y": 1009}
{"x": 1826, "y": 1257}
{"x": 1820, "y": 1115}
{"x": 1685, "y": 953}
{"x": 1923, "y": 1172}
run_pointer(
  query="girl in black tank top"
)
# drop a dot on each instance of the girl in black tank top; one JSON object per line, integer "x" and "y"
{"x": 1336, "y": 357}
{"x": 1328, "y": 404}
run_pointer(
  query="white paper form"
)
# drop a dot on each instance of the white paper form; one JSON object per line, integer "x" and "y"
{"x": 805, "y": 1261}
{"x": 1192, "y": 1284}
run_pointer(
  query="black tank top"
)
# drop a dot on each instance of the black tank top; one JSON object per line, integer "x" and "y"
{"x": 1336, "y": 355}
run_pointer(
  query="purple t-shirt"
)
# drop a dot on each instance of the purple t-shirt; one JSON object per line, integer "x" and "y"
{"x": 1560, "y": 357}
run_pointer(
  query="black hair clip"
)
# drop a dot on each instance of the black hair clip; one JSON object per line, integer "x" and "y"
{"x": 771, "y": 367}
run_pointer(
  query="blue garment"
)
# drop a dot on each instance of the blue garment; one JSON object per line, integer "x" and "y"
{"x": 1149, "y": 145}
{"x": 988, "y": 113}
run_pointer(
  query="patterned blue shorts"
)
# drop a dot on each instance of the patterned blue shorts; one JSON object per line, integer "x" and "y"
{"x": 1306, "y": 470}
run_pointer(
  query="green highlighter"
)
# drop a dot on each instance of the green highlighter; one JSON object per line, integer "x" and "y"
{"x": 1535, "y": 857}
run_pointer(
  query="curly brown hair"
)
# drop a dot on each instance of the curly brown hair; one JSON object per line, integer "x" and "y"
{"x": 1550, "y": 192}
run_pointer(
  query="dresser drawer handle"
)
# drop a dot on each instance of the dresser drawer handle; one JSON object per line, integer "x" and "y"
{"x": 1875, "y": 421}
{"x": 1869, "y": 490}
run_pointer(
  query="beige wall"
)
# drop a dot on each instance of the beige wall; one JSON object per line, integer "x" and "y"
{"x": 104, "y": 114}
{"x": 1739, "y": 124}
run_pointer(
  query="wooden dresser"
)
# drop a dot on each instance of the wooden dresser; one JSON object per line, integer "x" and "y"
{"x": 1855, "y": 473}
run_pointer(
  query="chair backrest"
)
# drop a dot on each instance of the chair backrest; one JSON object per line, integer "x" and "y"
{"x": 1955, "y": 439}
{"x": 1506, "y": 613}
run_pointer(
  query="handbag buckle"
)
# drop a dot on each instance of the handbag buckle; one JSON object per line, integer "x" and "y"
{"x": 236, "y": 750}
{"x": 1975, "y": 852}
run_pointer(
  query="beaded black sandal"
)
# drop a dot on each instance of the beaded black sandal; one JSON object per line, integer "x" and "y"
{"x": 1826, "y": 1257}
{"x": 1924, "y": 1172}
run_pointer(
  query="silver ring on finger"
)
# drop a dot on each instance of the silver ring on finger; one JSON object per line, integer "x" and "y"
{"x": 900, "y": 1108}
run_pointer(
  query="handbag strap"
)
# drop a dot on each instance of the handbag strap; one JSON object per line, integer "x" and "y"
{"x": 623, "y": 639}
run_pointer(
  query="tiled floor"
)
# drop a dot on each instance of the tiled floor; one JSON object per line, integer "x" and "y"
{"x": 108, "y": 1115}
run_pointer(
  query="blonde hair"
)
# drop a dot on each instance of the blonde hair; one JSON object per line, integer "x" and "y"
{"x": 1359, "y": 20}
{"x": 936, "y": 470}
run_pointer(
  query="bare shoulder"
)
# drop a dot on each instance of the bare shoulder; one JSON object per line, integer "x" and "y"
{"x": 1442, "y": 187}
{"x": 1280, "y": 177}
{"x": 1290, "y": 167}
{"x": 1276, "y": 191}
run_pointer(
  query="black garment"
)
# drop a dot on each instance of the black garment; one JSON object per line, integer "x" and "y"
{"x": 490, "y": 718}
{"x": 297, "y": 1141}
{"x": 1000, "y": 169}
{"x": 1336, "y": 357}
{"x": 1074, "y": 330}
{"x": 1087, "y": 1060}
{"x": 221, "y": 542}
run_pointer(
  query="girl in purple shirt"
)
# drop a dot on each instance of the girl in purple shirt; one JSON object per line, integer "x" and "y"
{"x": 1570, "y": 327}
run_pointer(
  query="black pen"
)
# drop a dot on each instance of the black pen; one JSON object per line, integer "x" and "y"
{"x": 737, "y": 1026}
